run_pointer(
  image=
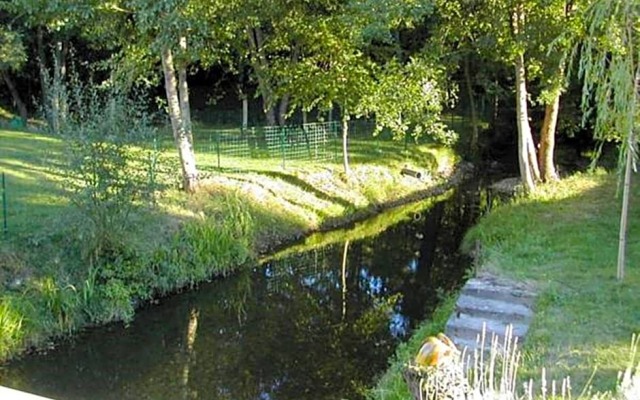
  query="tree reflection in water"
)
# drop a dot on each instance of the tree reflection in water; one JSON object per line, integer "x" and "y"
{"x": 314, "y": 325}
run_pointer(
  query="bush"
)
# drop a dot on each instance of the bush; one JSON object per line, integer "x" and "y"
{"x": 109, "y": 166}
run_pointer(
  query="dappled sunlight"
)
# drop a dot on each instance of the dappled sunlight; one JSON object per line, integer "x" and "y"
{"x": 573, "y": 186}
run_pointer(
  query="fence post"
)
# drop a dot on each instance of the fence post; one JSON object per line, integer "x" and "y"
{"x": 216, "y": 136}
{"x": 5, "y": 230}
{"x": 153, "y": 158}
{"x": 282, "y": 150}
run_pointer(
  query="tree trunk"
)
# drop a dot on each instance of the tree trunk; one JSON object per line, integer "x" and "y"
{"x": 57, "y": 97}
{"x": 22, "y": 108}
{"x": 42, "y": 66}
{"x": 245, "y": 111}
{"x": 259, "y": 66}
{"x": 626, "y": 194}
{"x": 45, "y": 83}
{"x": 533, "y": 157}
{"x": 524, "y": 130}
{"x": 547, "y": 140}
{"x": 473, "y": 143}
{"x": 345, "y": 148}
{"x": 269, "y": 112}
{"x": 282, "y": 110}
{"x": 183, "y": 92}
{"x": 622, "y": 237}
{"x": 182, "y": 139}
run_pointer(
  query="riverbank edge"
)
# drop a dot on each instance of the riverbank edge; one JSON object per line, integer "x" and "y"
{"x": 463, "y": 170}
{"x": 37, "y": 341}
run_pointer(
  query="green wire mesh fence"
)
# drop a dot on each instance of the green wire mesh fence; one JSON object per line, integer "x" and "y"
{"x": 279, "y": 145}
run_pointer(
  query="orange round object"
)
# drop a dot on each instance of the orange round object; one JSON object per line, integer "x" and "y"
{"x": 435, "y": 350}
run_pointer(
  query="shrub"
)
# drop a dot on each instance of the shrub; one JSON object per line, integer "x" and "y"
{"x": 108, "y": 168}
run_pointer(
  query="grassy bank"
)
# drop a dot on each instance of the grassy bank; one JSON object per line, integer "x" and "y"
{"x": 52, "y": 283}
{"x": 563, "y": 239}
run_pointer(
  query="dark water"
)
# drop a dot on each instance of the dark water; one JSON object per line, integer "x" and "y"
{"x": 319, "y": 324}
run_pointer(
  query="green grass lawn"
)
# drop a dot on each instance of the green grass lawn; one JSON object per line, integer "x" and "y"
{"x": 28, "y": 162}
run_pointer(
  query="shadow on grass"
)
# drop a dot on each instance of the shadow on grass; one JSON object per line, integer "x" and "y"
{"x": 304, "y": 186}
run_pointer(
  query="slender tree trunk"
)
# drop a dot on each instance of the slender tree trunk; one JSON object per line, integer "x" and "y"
{"x": 181, "y": 137}
{"x": 345, "y": 147}
{"x": 524, "y": 130}
{"x": 22, "y": 108}
{"x": 57, "y": 96}
{"x": 496, "y": 106}
{"x": 626, "y": 194}
{"x": 533, "y": 157}
{"x": 547, "y": 140}
{"x": 283, "y": 107}
{"x": 245, "y": 111}
{"x": 624, "y": 213}
{"x": 42, "y": 67}
{"x": 473, "y": 143}
{"x": 259, "y": 66}
{"x": 183, "y": 92}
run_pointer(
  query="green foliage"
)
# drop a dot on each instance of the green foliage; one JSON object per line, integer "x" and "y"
{"x": 214, "y": 244}
{"x": 610, "y": 68}
{"x": 106, "y": 169}
{"x": 59, "y": 301}
{"x": 11, "y": 327}
{"x": 12, "y": 51}
{"x": 408, "y": 99}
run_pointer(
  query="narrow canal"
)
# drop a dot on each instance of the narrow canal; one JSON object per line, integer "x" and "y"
{"x": 316, "y": 321}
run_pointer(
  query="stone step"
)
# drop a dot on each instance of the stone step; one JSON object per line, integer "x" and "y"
{"x": 465, "y": 327}
{"x": 493, "y": 309}
{"x": 495, "y": 290}
{"x": 468, "y": 344}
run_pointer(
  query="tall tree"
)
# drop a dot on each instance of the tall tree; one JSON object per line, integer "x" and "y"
{"x": 610, "y": 66}
{"x": 54, "y": 24}
{"x": 333, "y": 71}
{"x": 518, "y": 33}
{"x": 350, "y": 57}
{"x": 179, "y": 33}
{"x": 552, "y": 56}
{"x": 12, "y": 58}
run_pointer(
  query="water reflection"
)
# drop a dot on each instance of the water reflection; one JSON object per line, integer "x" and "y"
{"x": 314, "y": 325}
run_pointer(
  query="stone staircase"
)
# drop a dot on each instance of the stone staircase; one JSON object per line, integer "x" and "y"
{"x": 492, "y": 303}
